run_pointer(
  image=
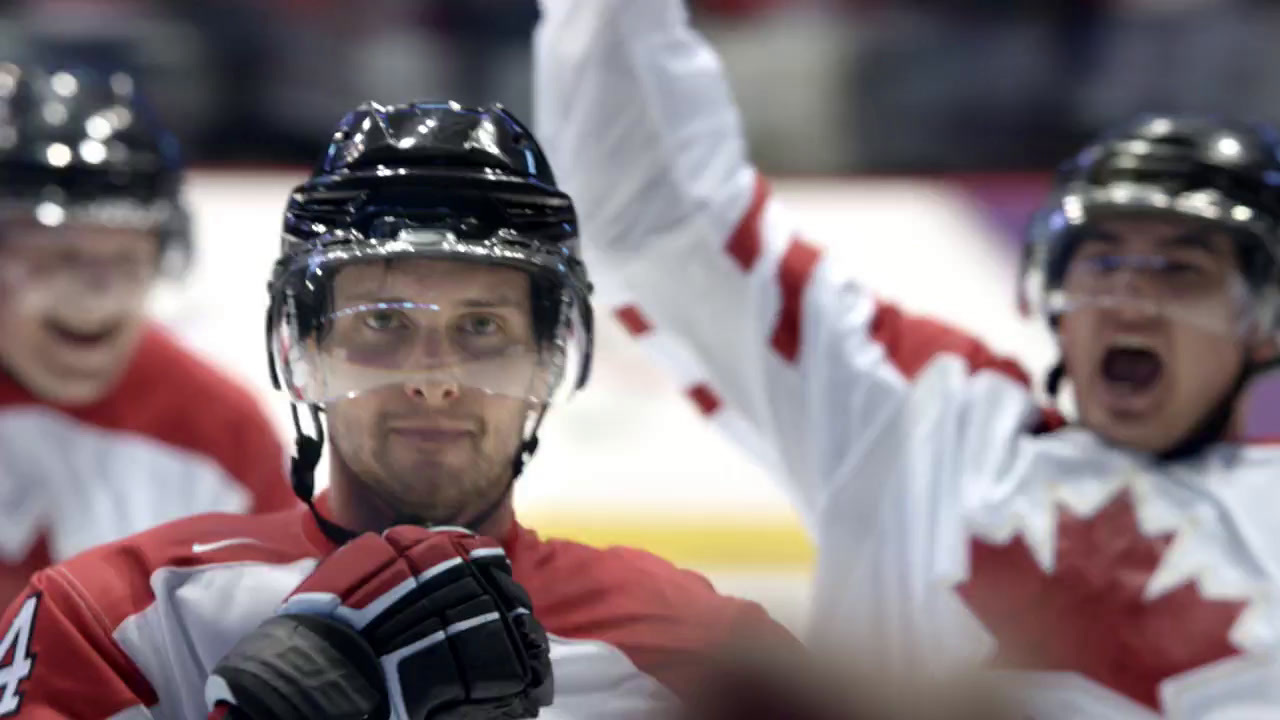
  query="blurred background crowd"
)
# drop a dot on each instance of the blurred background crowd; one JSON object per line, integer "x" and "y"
{"x": 827, "y": 86}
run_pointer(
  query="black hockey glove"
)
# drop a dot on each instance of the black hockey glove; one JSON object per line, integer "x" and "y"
{"x": 407, "y": 625}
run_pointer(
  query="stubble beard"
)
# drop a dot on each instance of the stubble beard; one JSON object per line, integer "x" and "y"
{"x": 431, "y": 492}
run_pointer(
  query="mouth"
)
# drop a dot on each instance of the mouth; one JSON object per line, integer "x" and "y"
{"x": 1131, "y": 370}
{"x": 80, "y": 337}
{"x": 432, "y": 434}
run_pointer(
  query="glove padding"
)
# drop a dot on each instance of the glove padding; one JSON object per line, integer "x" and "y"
{"x": 411, "y": 624}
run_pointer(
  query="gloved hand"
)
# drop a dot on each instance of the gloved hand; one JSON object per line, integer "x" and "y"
{"x": 410, "y": 624}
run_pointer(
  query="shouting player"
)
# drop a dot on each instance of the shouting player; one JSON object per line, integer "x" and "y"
{"x": 429, "y": 303}
{"x": 107, "y": 426}
{"x": 1122, "y": 566}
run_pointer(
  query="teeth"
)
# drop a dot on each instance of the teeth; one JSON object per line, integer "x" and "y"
{"x": 1132, "y": 342}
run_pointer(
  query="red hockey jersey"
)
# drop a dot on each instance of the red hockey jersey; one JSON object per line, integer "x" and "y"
{"x": 174, "y": 438}
{"x": 132, "y": 629}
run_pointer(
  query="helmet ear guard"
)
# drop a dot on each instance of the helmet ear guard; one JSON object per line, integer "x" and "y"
{"x": 1268, "y": 329}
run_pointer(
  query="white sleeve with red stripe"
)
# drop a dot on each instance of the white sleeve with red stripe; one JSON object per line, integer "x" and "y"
{"x": 641, "y": 128}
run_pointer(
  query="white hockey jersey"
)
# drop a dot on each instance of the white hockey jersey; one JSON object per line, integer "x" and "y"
{"x": 173, "y": 438}
{"x": 956, "y": 521}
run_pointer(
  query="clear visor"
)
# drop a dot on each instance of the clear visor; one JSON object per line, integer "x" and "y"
{"x": 432, "y": 325}
{"x": 1153, "y": 285}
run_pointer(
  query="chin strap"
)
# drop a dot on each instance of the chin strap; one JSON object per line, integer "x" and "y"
{"x": 1053, "y": 381}
{"x": 523, "y": 456}
{"x": 306, "y": 458}
{"x": 302, "y": 472}
{"x": 1213, "y": 427}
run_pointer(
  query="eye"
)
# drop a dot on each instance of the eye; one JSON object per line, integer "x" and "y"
{"x": 382, "y": 320}
{"x": 1090, "y": 248}
{"x": 480, "y": 325}
{"x": 1100, "y": 262}
{"x": 1193, "y": 268}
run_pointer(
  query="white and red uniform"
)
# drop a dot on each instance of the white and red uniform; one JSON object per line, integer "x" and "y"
{"x": 132, "y": 629}
{"x": 956, "y": 521}
{"x": 173, "y": 438}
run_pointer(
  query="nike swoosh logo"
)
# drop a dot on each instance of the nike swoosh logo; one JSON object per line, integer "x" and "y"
{"x": 208, "y": 547}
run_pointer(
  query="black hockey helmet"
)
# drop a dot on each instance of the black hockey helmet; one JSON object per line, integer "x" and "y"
{"x": 79, "y": 144}
{"x": 427, "y": 180}
{"x": 1220, "y": 171}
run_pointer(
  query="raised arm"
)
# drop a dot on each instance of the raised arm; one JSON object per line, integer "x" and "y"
{"x": 639, "y": 123}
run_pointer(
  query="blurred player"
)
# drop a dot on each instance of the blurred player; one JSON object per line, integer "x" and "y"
{"x": 107, "y": 426}
{"x": 1123, "y": 566}
{"x": 430, "y": 302}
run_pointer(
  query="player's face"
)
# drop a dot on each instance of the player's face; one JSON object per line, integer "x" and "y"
{"x": 1160, "y": 343}
{"x": 437, "y": 450}
{"x": 71, "y": 306}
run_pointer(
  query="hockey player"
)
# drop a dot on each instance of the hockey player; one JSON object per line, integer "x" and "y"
{"x": 1126, "y": 565}
{"x": 430, "y": 303}
{"x": 107, "y": 426}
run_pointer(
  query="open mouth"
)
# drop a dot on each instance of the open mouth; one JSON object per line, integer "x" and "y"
{"x": 1131, "y": 368}
{"x": 81, "y": 337}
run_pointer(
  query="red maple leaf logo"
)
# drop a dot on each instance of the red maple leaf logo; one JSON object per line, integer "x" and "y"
{"x": 1088, "y": 615}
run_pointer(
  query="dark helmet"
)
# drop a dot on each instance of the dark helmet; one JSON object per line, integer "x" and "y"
{"x": 1225, "y": 172}
{"x": 79, "y": 144}
{"x": 1220, "y": 171}
{"x": 429, "y": 180}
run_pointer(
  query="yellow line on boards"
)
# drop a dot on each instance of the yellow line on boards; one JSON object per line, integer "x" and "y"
{"x": 745, "y": 542}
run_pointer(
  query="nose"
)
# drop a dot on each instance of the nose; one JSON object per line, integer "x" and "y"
{"x": 433, "y": 393}
{"x": 436, "y": 387}
{"x": 101, "y": 275}
{"x": 1136, "y": 295}
{"x": 1133, "y": 281}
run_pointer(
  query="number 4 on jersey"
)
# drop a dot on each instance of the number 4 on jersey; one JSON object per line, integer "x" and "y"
{"x": 16, "y": 660}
